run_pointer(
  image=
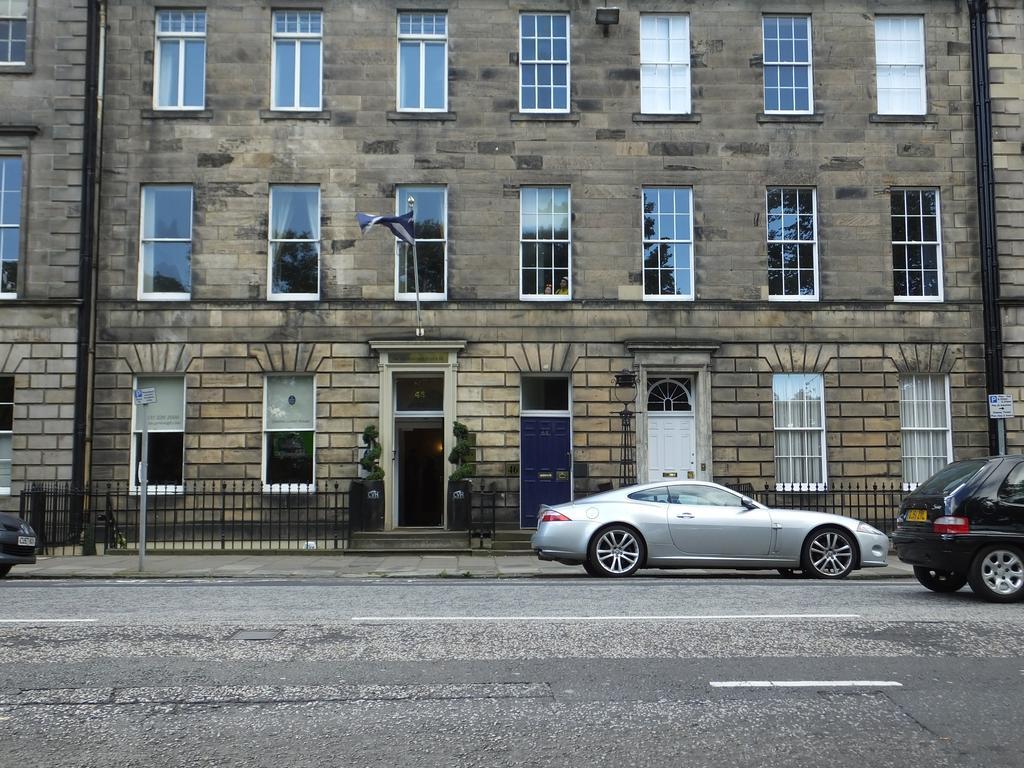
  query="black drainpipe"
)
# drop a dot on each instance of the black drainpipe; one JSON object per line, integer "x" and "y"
{"x": 986, "y": 212}
{"x": 87, "y": 219}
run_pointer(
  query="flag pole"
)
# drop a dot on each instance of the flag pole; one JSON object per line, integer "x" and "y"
{"x": 415, "y": 268}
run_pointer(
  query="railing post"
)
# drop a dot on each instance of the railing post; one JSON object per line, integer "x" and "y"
{"x": 223, "y": 511}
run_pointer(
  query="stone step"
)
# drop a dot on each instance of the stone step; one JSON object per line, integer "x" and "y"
{"x": 409, "y": 541}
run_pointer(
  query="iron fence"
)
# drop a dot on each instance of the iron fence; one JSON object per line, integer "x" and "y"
{"x": 876, "y": 503}
{"x": 210, "y": 515}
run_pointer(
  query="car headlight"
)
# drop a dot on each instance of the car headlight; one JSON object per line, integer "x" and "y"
{"x": 865, "y": 528}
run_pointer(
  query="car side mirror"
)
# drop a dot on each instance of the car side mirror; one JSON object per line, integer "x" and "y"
{"x": 748, "y": 503}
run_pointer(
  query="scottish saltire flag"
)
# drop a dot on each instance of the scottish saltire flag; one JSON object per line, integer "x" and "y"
{"x": 400, "y": 226}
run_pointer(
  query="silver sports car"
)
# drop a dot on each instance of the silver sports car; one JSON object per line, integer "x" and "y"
{"x": 701, "y": 525}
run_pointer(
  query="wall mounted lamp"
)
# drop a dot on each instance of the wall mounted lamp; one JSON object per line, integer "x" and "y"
{"x": 606, "y": 17}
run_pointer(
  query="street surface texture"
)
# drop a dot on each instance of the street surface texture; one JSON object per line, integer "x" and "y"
{"x": 538, "y": 672}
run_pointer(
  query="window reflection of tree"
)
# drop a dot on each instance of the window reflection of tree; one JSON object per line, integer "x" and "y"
{"x": 659, "y": 258}
{"x": 430, "y": 256}
{"x": 295, "y": 263}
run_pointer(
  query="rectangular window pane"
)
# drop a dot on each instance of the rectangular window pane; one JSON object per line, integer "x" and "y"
{"x": 431, "y": 241}
{"x": 180, "y": 59}
{"x": 799, "y": 428}
{"x": 165, "y": 421}
{"x": 167, "y": 92}
{"x": 664, "y": 64}
{"x": 667, "y": 242}
{"x": 787, "y": 63}
{"x": 545, "y": 242}
{"x": 409, "y": 76}
{"x": 10, "y": 224}
{"x": 900, "y": 65}
{"x": 544, "y": 63}
{"x": 916, "y": 244}
{"x": 166, "y": 248}
{"x": 195, "y": 73}
{"x": 295, "y": 240}
{"x": 289, "y": 425}
{"x": 434, "y": 75}
{"x": 545, "y": 394}
{"x": 791, "y": 231}
{"x": 289, "y": 403}
{"x": 422, "y": 64}
{"x": 309, "y": 96}
{"x": 297, "y": 60}
{"x": 925, "y": 430}
{"x": 284, "y": 74}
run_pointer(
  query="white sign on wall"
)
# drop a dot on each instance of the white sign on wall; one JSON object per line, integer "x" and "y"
{"x": 1000, "y": 406}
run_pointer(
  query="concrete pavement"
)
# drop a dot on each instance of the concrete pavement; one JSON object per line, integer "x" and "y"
{"x": 319, "y": 566}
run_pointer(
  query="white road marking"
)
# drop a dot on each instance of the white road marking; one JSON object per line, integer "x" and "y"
{"x": 674, "y": 617}
{"x": 46, "y": 621}
{"x": 806, "y": 684}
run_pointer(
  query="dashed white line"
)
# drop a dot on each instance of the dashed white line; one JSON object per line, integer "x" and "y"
{"x": 805, "y": 684}
{"x": 670, "y": 617}
{"x": 46, "y": 621}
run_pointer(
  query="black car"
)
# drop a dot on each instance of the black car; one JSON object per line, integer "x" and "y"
{"x": 17, "y": 543}
{"x": 965, "y": 524}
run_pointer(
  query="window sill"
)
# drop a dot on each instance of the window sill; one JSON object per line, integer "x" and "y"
{"x": 17, "y": 69}
{"x": 159, "y": 490}
{"x": 421, "y": 117}
{"x": 917, "y": 299}
{"x": 15, "y": 129}
{"x": 902, "y": 119}
{"x": 298, "y": 114}
{"x": 764, "y": 117}
{"x": 793, "y": 299}
{"x": 642, "y": 117}
{"x": 289, "y": 488}
{"x": 544, "y": 117}
{"x": 555, "y": 298}
{"x": 176, "y": 114}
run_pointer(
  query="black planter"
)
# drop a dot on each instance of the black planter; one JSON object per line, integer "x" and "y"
{"x": 460, "y": 502}
{"x": 373, "y": 505}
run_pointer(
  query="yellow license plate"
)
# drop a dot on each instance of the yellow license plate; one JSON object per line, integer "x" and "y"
{"x": 917, "y": 515}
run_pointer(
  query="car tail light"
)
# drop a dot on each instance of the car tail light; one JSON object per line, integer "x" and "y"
{"x": 554, "y": 517}
{"x": 951, "y": 524}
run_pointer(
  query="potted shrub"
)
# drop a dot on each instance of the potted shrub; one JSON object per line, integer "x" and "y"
{"x": 460, "y": 487}
{"x": 372, "y": 501}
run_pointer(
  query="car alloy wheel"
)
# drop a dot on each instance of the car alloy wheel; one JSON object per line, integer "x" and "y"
{"x": 939, "y": 581}
{"x": 997, "y": 574}
{"x": 616, "y": 551}
{"x": 828, "y": 554}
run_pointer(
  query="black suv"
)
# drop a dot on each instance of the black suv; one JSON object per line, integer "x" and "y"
{"x": 966, "y": 524}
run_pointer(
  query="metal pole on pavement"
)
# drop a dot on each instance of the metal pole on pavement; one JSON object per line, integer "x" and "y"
{"x": 143, "y": 486}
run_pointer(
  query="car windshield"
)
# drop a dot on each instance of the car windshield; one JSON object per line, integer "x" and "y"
{"x": 951, "y": 476}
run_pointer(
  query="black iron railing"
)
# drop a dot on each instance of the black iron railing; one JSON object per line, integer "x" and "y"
{"x": 202, "y": 515}
{"x": 875, "y": 503}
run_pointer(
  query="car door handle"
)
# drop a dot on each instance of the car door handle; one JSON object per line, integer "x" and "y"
{"x": 686, "y": 516}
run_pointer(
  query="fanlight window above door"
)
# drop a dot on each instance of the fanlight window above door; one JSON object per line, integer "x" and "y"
{"x": 669, "y": 395}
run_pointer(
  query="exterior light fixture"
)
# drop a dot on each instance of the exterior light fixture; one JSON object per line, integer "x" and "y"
{"x": 606, "y": 17}
{"x": 625, "y": 393}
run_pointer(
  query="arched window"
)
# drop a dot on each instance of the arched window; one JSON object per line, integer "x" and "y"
{"x": 669, "y": 395}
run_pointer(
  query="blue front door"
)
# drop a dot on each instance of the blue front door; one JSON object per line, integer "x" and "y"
{"x": 545, "y": 465}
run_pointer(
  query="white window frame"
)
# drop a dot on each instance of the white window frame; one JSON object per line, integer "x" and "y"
{"x": 780, "y": 484}
{"x": 525, "y": 412}
{"x": 784, "y": 242}
{"x": 649, "y": 65}
{"x": 909, "y": 485}
{"x": 181, "y": 38}
{"x": 19, "y": 185}
{"x": 401, "y": 194}
{"x": 158, "y": 295}
{"x": 7, "y": 13}
{"x": 542, "y": 296}
{"x": 5, "y": 490}
{"x": 809, "y": 64}
{"x": 286, "y": 487}
{"x": 136, "y": 429}
{"x": 644, "y": 243}
{"x": 424, "y": 40}
{"x": 271, "y": 295}
{"x": 883, "y": 69}
{"x": 297, "y": 38}
{"x": 523, "y": 62}
{"x": 905, "y": 242}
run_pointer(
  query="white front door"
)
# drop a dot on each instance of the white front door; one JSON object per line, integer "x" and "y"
{"x": 670, "y": 447}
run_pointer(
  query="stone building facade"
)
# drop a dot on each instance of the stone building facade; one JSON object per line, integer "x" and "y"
{"x": 718, "y": 186}
{"x": 42, "y": 71}
{"x": 1006, "y": 71}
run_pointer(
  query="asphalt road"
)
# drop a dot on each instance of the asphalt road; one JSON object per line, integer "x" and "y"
{"x": 560, "y": 672}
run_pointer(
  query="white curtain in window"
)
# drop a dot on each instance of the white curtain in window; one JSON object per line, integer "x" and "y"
{"x": 295, "y": 213}
{"x": 924, "y": 417}
{"x": 290, "y": 402}
{"x": 169, "y": 67}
